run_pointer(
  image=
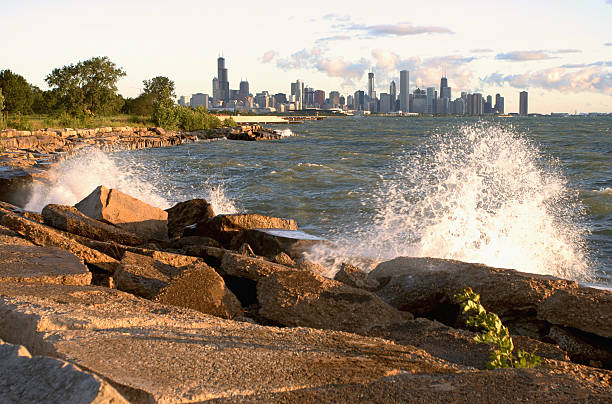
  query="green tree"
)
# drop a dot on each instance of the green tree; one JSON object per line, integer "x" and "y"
{"x": 89, "y": 87}
{"x": 141, "y": 105}
{"x": 159, "y": 87}
{"x": 165, "y": 114}
{"x": 17, "y": 92}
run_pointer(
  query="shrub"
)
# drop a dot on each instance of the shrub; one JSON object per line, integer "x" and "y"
{"x": 494, "y": 333}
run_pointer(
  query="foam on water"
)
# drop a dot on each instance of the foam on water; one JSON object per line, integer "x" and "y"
{"x": 482, "y": 193}
{"x": 285, "y": 132}
{"x": 73, "y": 179}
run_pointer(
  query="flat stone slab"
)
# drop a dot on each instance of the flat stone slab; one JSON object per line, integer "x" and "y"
{"x": 38, "y": 379}
{"x": 153, "y": 352}
{"x": 34, "y": 264}
{"x": 270, "y": 242}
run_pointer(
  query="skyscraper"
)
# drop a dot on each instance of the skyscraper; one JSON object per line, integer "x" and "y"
{"x": 224, "y": 93}
{"x": 523, "y": 104}
{"x": 244, "y": 89}
{"x": 371, "y": 90}
{"x": 445, "y": 90}
{"x": 319, "y": 98}
{"x": 430, "y": 107}
{"x": 392, "y": 95}
{"x": 499, "y": 104}
{"x": 404, "y": 90}
{"x": 215, "y": 88}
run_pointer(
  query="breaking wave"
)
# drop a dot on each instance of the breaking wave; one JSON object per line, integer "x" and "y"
{"x": 482, "y": 193}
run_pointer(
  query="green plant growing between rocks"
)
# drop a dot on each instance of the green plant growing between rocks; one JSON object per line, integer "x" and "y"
{"x": 494, "y": 333}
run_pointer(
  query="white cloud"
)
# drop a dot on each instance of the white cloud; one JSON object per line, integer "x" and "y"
{"x": 590, "y": 79}
{"x": 401, "y": 29}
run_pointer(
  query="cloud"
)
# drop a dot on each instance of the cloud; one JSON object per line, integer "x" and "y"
{"x": 521, "y": 56}
{"x": 402, "y": 29}
{"x": 268, "y": 56}
{"x": 481, "y": 50}
{"x": 337, "y": 17}
{"x": 583, "y": 65}
{"x": 608, "y": 43}
{"x": 314, "y": 58}
{"x": 567, "y": 51}
{"x": 334, "y": 38}
{"x": 590, "y": 79}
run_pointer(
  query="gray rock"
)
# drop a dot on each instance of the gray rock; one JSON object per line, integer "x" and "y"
{"x": 187, "y": 213}
{"x": 224, "y": 228}
{"x": 270, "y": 242}
{"x": 34, "y": 264}
{"x": 302, "y": 298}
{"x": 126, "y": 212}
{"x": 355, "y": 277}
{"x": 38, "y": 379}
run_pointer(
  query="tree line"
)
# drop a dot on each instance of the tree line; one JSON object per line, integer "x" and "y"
{"x": 89, "y": 88}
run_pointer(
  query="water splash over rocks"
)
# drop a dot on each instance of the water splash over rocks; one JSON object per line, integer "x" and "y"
{"x": 483, "y": 193}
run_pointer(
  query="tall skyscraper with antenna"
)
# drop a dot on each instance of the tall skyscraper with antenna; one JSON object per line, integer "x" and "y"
{"x": 223, "y": 81}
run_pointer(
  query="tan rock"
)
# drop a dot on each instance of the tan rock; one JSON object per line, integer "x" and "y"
{"x": 200, "y": 288}
{"x": 301, "y": 298}
{"x": 69, "y": 219}
{"x": 224, "y": 228}
{"x": 36, "y": 379}
{"x": 187, "y": 213}
{"x": 45, "y": 236}
{"x": 284, "y": 259}
{"x": 269, "y": 242}
{"x": 126, "y": 212}
{"x": 159, "y": 353}
{"x": 34, "y": 264}
{"x": 143, "y": 276}
{"x": 249, "y": 267}
{"x": 8, "y": 236}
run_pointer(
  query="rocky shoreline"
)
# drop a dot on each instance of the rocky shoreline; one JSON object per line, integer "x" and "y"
{"x": 26, "y": 156}
{"x": 114, "y": 300}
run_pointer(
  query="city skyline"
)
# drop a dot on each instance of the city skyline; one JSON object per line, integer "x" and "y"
{"x": 490, "y": 47}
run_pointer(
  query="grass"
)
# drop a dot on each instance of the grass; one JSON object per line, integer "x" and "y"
{"x": 37, "y": 122}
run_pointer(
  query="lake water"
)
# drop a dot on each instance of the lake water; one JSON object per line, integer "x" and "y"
{"x": 534, "y": 194}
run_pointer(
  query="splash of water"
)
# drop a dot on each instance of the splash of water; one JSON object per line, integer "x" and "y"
{"x": 73, "y": 179}
{"x": 480, "y": 194}
{"x": 285, "y": 132}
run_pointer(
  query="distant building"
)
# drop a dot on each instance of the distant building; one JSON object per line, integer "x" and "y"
{"x": 215, "y": 88}
{"x": 477, "y": 104}
{"x": 405, "y": 91}
{"x": 319, "y": 98}
{"x": 350, "y": 102}
{"x": 262, "y": 99}
{"x": 419, "y": 101}
{"x": 430, "y": 107}
{"x": 342, "y": 101}
{"x": 224, "y": 90}
{"x": 280, "y": 98}
{"x": 183, "y": 101}
{"x": 359, "y": 100}
{"x": 334, "y": 99}
{"x": 523, "y": 104}
{"x": 499, "y": 104}
{"x": 243, "y": 92}
{"x": 385, "y": 103}
{"x": 199, "y": 99}
{"x": 393, "y": 95}
{"x": 371, "y": 88}
{"x": 297, "y": 89}
{"x": 445, "y": 90}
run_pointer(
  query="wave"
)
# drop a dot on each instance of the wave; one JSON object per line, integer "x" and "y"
{"x": 72, "y": 180}
{"x": 285, "y": 132}
{"x": 606, "y": 191}
{"x": 481, "y": 193}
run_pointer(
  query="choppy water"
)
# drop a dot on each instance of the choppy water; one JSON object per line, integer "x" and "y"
{"x": 533, "y": 194}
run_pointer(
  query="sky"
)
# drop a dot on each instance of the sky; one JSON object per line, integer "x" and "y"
{"x": 559, "y": 51}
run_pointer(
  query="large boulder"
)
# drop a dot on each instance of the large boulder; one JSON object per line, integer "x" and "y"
{"x": 301, "y": 298}
{"x": 156, "y": 353}
{"x": 34, "y": 264}
{"x": 187, "y": 213}
{"x": 46, "y": 236}
{"x": 421, "y": 285}
{"x": 71, "y": 220}
{"x": 8, "y": 236}
{"x": 126, "y": 212}
{"x": 253, "y": 268}
{"x": 224, "y": 228}
{"x": 177, "y": 280}
{"x": 36, "y": 379}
